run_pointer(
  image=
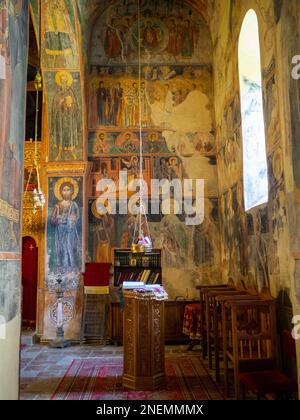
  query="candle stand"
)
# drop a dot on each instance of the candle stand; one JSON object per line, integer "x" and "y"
{"x": 59, "y": 341}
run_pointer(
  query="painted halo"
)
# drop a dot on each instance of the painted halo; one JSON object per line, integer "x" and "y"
{"x": 95, "y": 211}
{"x": 62, "y": 73}
{"x": 66, "y": 181}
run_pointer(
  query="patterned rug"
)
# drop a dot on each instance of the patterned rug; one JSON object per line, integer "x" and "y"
{"x": 101, "y": 379}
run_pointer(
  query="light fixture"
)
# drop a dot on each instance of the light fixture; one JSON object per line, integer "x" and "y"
{"x": 38, "y": 195}
{"x": 141, "y": 240}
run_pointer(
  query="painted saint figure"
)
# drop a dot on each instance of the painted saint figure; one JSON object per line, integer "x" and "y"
{"x": 100, "y": 144}
{"x": 145, "y": 108}
{"x": 64, "y": 218}
{"x": 150, "y": 36}
{"x": 125, "y": 36}
{"x": 112, "y": 43}
{"x": 118, "y": 111}
{"x": 4, "y": 80}
{"x": 65, "y": 117}
{"x": 132, "y": 165}
{"x": 12, "y": 153}
{"x": 104, "y": 233}
{"x": 172, "y": 255}
{"x": 188, "y": 41}
{"x": 101, "y": 103}
{"x": 128, "y": 146}
{"x": 58, "y": 35}
{"x": 172, "y": 42}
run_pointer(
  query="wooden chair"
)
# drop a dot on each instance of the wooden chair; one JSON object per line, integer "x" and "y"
{"x": 215, "y": 324}
{"x": 201, "y": 289}
{"x": 205, "y": 314}
{"x": 272, "y": 381}
{"x": 251, "y": 337}
{"x": 225, "y": 328}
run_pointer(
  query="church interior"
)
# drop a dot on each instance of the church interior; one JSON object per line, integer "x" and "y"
{"x": 149, "y": 199}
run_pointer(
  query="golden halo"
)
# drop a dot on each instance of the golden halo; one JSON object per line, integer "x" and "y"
{"x": 61, "y": 182}
{"x": 101, "y": 132}
{"x": 67, "y": 74}
{"x": 154, "y": 135}
{"x": 173, "y": 159}
{"x": 95, "y": 211}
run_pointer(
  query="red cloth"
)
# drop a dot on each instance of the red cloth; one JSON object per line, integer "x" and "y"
{"x": 97, "y": 267}
{"x": 97, "y": 274}
{"x": 29, "y": 281}
{"x": 192, "y": 321}
{"x": 268, "y": 382}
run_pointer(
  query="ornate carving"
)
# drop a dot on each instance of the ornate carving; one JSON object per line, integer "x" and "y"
{"x": 32, "y": 222}
{"x": 144, "y": 339}
{"x": 68, "y": 311}
{"x": 157, "y": 355}
{"x": 128, "y": 349}
{"x": 9, "y": 212}
{"x": 30, "y": 155}
{"x": 74, "y": 167}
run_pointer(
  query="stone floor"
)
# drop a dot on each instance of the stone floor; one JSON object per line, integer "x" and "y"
{"x": 42, "y": 367}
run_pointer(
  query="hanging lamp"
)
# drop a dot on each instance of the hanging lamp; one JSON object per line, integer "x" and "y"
{"x": 141, "y": 240}
{"x": 38, "y": 195}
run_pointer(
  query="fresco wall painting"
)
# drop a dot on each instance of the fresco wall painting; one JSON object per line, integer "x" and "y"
{"x": 13, "y": 67}
{"x": 64, "y": 129}
{"x": 59, "y": 35}
{"x": 13, "y": 70}
{"x": 64, "y": 115}
{"x": 173, "y": 85}
{"x": 261, "y": 258}
{"x": 64, "y": 250}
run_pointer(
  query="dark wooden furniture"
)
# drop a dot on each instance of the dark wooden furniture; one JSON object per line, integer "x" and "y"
{"x": 173, "y": 313}
{"x": 220, "y": 325}
{"x": 202, "y": 289}
{"x": 250, "y": 340}
{"x": 214, "y": 327}
{"x": 141, "y": 266}
{"x": 95, "y": 318}
{"x": 206, "y": 315}
{"x": 94, "y": 323}
{"x": 144, "y": 353}
{"x": 272, "y": 381}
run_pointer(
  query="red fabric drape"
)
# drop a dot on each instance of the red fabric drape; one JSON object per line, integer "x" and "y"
{"x": 29, "y": 281}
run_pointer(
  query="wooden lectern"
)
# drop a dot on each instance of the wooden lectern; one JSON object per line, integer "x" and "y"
{"x": 143, "y": 338}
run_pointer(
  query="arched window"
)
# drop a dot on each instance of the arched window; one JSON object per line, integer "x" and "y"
{"x": 254, "y": 142}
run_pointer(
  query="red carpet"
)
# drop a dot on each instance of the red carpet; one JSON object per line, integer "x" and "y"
{"x": 101, "y": 379}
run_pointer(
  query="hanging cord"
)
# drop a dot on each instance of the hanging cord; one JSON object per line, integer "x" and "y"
{"x": 140, "y": 119}
{"x": 142, "y": 213}
{"x": 38, "y": 87}
{"x": 28, "y": 180}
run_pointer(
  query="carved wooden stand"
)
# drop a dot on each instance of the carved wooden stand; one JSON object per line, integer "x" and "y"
{"x": 144, "y": 357}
